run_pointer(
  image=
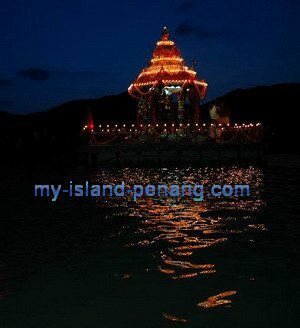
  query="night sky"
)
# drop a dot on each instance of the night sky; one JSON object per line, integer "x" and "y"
{"x": 52, "y": 51}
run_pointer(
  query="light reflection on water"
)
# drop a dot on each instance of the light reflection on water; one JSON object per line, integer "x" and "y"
{"x": 158, "y": 262}
{"x": 179, "y": 232}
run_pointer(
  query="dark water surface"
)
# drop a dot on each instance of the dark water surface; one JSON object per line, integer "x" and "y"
{"x": 226, "y": 262}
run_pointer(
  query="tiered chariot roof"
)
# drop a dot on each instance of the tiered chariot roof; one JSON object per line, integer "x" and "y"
{"x": 166, "y": 68}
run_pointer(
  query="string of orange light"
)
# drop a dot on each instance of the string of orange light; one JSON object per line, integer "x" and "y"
{"x": 183, "y": 126}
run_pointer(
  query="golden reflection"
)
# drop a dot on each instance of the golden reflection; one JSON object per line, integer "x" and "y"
{"x": 173, "y": 318}
{"x": 217, "y": 300}
{"x": 179, "y": 231}
{"x": 188, "y": 265}
{"x": 184, "y": 276}
{"x": 167, "y": 271}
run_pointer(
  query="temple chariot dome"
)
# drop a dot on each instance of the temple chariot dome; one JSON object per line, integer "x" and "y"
{"x": 167, "y": 89}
